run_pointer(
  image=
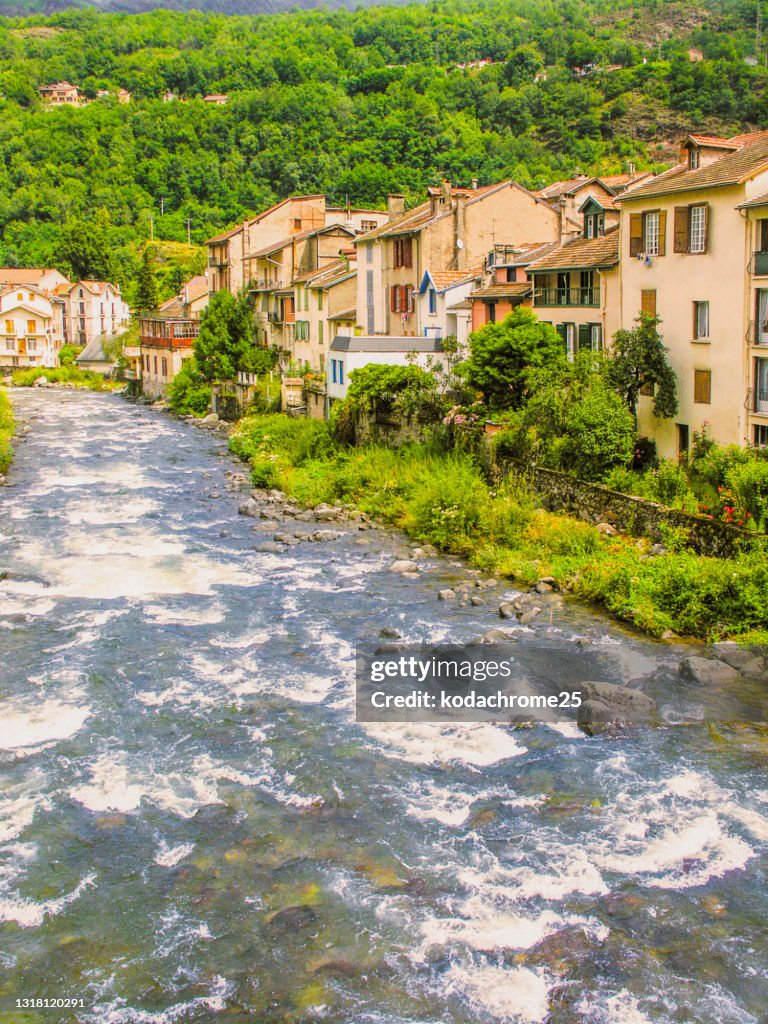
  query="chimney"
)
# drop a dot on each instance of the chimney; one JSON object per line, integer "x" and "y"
{"x": 631, "y": 169}
{"x": 474, "y": 184}
{"x": 395, "y": 205}
{"x": 562, "y": 214}
{"x": 460, "y": 231}
{"x": 445, "y": 188}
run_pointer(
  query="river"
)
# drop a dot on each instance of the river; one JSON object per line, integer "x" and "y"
{"x": 193, "y": 827}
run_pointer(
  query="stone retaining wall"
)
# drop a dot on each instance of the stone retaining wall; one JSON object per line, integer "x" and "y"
{"x": 635, "y": 516}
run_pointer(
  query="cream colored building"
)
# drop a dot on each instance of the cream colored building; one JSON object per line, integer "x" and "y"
{"x": 691, "y": 243}
{"x": 94, "y": 309}
{"x": 60, "y": 94}
{"x": 324, "y": 302}
{"x": 453, "y": 230}
{"x": 31, "y": 331}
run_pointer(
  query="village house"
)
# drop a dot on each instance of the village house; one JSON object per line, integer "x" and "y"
{"x": 351, "y": 352}
{"x": 452, "y": 231}
{"x": 31, "y": 332}
{"x": 166, "y": 339}
{"x": 60, "y": 94}
{"x": 324, "y": 303}
{"x": 219, "y": 99}
{"x": 445, "y": 310}
{"x": 569, "y": 198}
{"x": 93, "y": 310}
{"x": 505, "y": 282}
{"x": 693, "y": 243}
{"x": 46, "y": 278}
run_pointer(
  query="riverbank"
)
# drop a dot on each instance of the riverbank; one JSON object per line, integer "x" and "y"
{"x": 7, "y": 428}
{"x": 443, "y": 499}
{"x": 63, "y": 376}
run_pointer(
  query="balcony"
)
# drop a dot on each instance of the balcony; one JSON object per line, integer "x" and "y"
{"x": 162, "y": 333}
{"x": 567, "y": 297}
{"x": 757, "y": 333}
{"x": 758, "y": 265}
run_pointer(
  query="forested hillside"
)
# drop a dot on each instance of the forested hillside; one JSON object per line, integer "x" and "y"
{"x": 354, "y": 104}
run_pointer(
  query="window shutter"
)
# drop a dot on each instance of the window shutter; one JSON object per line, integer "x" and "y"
{"x": 662, "y": 232}
{"x": 393, "y": 299}
{"x": 705, "y": 214}
{"x": 408, "y": 252}
{"x": 585, "y": 337}
{"x": 648, "y": 301}
{"x": 562, "y": 330}
{"x": 681, "y": 231}
{"x": 635, "y": 234}
{"x": 702, "y": 386}
{"x": 409, "y": 298}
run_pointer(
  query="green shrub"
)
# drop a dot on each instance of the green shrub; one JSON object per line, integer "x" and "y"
{"x": 6, "y": 432}
{"x": 189, "y": 393}
{"x": 600, "y": 434}
{"x": 60, "y": 375}
{"x": 717, "y": 461}
{"x": 749, "y": 483}
{"x": 668, "y": 484}
{"x": 68, "y": 354}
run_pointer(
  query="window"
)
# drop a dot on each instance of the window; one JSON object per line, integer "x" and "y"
{"x": 760, "y": 435}
{"x": 651, "y": 234}
{"x": 165, "y": 367}
{"x": 9, "y": 327}
{"x": 155, "y": 365}
{"x": 31, "y": 326}
{"x": 511, "y": 275}
{"x": 10, "y": 344}
{"x": 432, "y": 300}
{"x": 297, "y": 223}
{"x": 491, "y": 313}
{"x": 367, "y": 225}
{"x": 369, "y": 253}
{"x": 403, "y": 252}
{"x": 761, "y": 386}
{"x": 341, "y": 372}
{"x": 701, "y": 321}
{"x": 702, "y": 387}
{"x": 648, "y": 233}
{"x": 319, "y": 298}
{"x": 590, "y": 337}
{"x": 337, "y": 371}
{"x": 320, "y": 333}
{"x": 31, "y": 345}
{"x": 20, "y": 297}
{"x": 568, "y": 333}
{"x": 302, "y": 330}
{"x": 30, "y": 298}
{"x": 762, "y": 235}
{"x": 761, "y": 316}
{"x": 690, "y": 233}
{"x": 401, "y": 298}
{"x": 594, "y": 225}
{"x": 648, "y": 301}
{"x": 334, "y": 375}
{"x": 683, "y": 438}
{"x": 694, "y": 159}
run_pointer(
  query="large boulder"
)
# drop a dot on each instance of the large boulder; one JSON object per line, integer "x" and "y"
{"x": 744, "y": 659}
{"x": 403, "y": 565}
{"x": 607, "y": 707}
{"x": 708, "y": 671}
{"x": 250, "y": 508}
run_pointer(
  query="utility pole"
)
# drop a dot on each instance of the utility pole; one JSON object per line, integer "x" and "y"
{"x": 162, "y": 205}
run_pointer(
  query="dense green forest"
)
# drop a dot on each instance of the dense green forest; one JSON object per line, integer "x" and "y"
{"x": 351, "y": 103}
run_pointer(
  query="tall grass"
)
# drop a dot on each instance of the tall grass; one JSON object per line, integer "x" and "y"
{"x": 61, "y": 375}
{"x": 6, "y": 432}
{"x": 444, "y": 499}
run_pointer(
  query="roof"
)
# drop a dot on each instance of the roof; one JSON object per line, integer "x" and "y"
{"x": 24, "y": 275}
{"x": 327, "y": 275}
{"x": 56, "y": 85}
{"x": 94, "y": 353}
{"x": 524, "y": 253}
{"x": 344, "y": 314}
{"x": 588, "y": 253}
{"x": 381, "y": 343}
{"x": 420, "y": 216}
{"x": 604, "y": 202}
{"x": 732, "y": 169}
{"x": 445, "y": 279}
{"x": 513, "y": 289}
{"x": 195, "y": 288}
{"x": 712, "y": 140}
{"x": 224, "y": 235}
{"x": 611, "y": 182}
{"x": 761, "y": 200}
{"x": 300, "y": 237}
{"x": 457, "y": 306}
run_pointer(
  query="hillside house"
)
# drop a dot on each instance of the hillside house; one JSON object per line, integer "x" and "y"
{"x": 60, "y": 94}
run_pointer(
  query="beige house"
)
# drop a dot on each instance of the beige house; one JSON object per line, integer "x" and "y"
{"x": 324, "y": 302}
{"x": 31, "y": 332}
{"x": 60, "y": 94}
{"x": 505, "y": 281}
{"x": 585, "y": 205}
{"x": 453, "y": 230}
{"x": 45, "y": 278}
{"x": 165, "y": 343}
{"x": 93, "y": 309}
{"x": 576, "y": 288}
{"x": 444, "y": 307}
{"x": 691, "y": 251}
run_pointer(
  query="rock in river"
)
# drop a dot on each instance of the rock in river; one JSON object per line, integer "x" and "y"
{"x": 608, "y": 707}
{"x": 708, "y": 671}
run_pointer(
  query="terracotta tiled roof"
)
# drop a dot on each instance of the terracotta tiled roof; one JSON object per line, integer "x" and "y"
{"x": 443, "y": 279}
{"x": 344, "y": 314}
{"x": 315, "y": 276}
{"x": 714, "y": 140}
{"x": 761, "y": 200}
{"x": 560, "y": 188}
{"x": 604, "y": 202}
{"x": 582, "y": 253}
{"x": 300, "y": 236}
{"x": 224, "y": 235}
{"x": 196, "y": 287}
{"x": 515, "y": 289}
{"x": 22, "y": 275}
{"x": 728, "y": 170}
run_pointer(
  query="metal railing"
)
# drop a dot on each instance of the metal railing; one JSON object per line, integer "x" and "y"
{"x": 757, "y": 332}
{"x": 566, "y": 297}
{"x": 758, "y": 265}
{"x": 761, "y": 401}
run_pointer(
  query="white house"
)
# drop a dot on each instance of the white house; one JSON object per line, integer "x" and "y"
{"x": 351, "y": 352}
{"x": 30, "y": 327}
{"x": 444, "y": 309}
{"x": 94, "y": 309}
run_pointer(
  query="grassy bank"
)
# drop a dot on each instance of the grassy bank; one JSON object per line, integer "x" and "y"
{"x": 64, "y": 375}
{"x": 443, "y": 499}
{"x": 6, "y": 432}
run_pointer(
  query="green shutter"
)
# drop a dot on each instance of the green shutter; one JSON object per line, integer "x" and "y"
{"x": 585, "y": 337}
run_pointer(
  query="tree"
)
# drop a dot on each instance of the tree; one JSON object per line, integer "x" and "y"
{"x": 225, "y": 343}
{"x": 146, "y": 282}
{"x": 502, "y": 355}
{"x": 638, "y": 360}
{"x": 84, "y": 248}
